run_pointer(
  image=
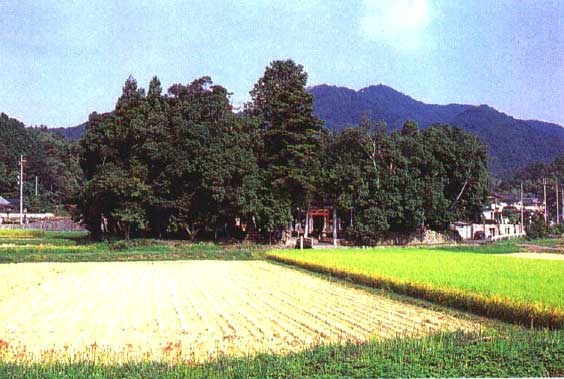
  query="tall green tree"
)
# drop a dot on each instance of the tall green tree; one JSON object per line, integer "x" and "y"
{"x": 377, "y": 201}
{"x": 183, "y": 164}
{"x": 459, "y": 162}
{"x": 404, "y": 181}
{"x": 291, "y": 133}
{"x": 117, "y": 192}
{"x": 341, "y": 174}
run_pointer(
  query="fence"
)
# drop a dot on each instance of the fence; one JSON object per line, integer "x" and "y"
{"x": 61, "y": 225}
{"x": 505, "y": 236}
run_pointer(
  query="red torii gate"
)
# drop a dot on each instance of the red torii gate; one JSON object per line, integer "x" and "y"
{"x": 320, "y": 213}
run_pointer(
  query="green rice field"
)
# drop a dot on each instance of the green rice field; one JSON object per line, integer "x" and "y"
{"x": 478, "y": 280}
{"x": 532, "y": 280}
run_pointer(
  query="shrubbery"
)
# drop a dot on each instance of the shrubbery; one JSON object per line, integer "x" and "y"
{"x": 557, "y": 229}
{"x": 537, "y": 227}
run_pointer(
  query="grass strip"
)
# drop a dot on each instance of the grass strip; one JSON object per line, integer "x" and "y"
{"x": 21, "y": 233}
{"x": 511, "y": 353}
{"x": 155, "y": 254}
{"x": 499, "y": 307}
{"x": 131, "y": 257}
{"x": 75, "y": 247}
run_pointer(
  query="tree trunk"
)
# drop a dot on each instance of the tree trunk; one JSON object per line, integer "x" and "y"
{"x": 189, "y": 232}
{"x": 126, "y": 231}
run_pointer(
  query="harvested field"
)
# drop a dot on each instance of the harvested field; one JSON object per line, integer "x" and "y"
{"x": 190, "y": 310}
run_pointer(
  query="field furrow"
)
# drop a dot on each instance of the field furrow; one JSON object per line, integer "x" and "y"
{"x": 192, "y": 310}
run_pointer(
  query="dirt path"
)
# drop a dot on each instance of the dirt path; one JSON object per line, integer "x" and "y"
{"x": 550, "y": 256}
{"x": 538, "y": 248}
{"x": 190, "y": 310}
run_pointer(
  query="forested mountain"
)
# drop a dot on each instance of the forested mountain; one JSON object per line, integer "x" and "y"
{"x": 72, "y": 133}
{"x": 512, "y": 143}
{"x": 49, "y": 157}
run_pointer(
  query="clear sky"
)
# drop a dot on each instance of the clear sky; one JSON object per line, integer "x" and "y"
{"x": 62, "y": 59}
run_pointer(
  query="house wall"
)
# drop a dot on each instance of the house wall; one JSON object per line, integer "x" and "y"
{"x": 491, "y": 231}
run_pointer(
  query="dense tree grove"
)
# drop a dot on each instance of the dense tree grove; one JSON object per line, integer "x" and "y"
{"x": 50, "y": 158}
{"x": 184, "y": 164}
{"x": 168, "y": 164}
{"x": 406, "y": 180}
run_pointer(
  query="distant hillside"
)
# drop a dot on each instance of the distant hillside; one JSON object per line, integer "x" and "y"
{"x": 512, "y": 143}
{"x": 72, "y": 133}
{"x": 50, "y": 159}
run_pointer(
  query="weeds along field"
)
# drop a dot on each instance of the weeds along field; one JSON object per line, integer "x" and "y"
{"x": 17, "y": 246}
{"x": 510, "y": 352}
{"x": 22, "y": 233}
{"x": 192, "y": 311}
{"x": 480, "y": 280}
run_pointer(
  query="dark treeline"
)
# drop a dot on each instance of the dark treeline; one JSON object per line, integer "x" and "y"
{"x": 183, "y": 164}
{"x": 50, "y": 158}
{"x": 533, "y": 174}
{"x": 532, "y": 177}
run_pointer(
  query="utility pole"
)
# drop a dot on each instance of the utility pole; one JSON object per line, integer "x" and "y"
{"x": 522, "y": 211}
{"x": 563, "y": 205}
{"x": 557, "y": 206}
{"x": 545, "y": 207}
{"x": 22, "y": 161}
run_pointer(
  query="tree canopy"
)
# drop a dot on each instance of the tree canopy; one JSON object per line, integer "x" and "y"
{"x": 183, "y": 163}
{"x": 50, "y": 158}
{"x": 168, "y": 164}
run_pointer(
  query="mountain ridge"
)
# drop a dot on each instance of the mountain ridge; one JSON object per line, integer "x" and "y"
{"x": 512, "y": 143}
{"x": 72, "y": 133}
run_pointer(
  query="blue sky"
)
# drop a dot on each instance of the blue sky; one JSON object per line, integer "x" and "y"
{"x": 62, "y": 59}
